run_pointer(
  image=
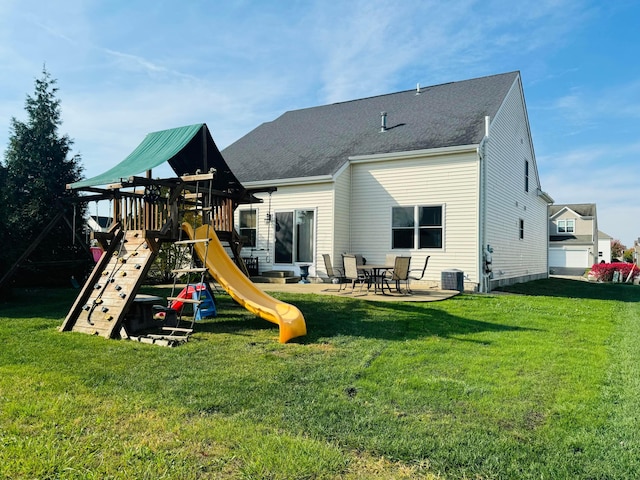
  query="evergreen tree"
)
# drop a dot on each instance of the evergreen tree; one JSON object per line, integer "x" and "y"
{"x": 37, "y": 168}
{"x": 4, "y": 227}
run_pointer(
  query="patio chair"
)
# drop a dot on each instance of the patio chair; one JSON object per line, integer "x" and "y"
{"x": 400, "y": 273}
{"x": 390, "y": 259}
{"x": 424, "y": 269}
{"x": 353, "y": 274}
{"x": 334, "y": 273}
{"x": 360, "y": 260}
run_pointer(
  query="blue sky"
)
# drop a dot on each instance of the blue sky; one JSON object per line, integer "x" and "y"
{"x": 126, "y": 68}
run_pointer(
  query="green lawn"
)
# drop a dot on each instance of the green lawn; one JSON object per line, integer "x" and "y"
{"x": 543, "y": 385}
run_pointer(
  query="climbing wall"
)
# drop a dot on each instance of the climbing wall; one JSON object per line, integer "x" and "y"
{"x": 112, "y": 286}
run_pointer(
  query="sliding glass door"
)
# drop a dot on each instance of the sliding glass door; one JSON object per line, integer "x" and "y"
{"x": 295, "y": 236}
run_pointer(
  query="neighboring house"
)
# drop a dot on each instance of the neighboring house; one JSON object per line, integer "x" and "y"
{"x": 573, "y": 238}
{"x": 604, "y": 247}
{"x": 443, "y": 171}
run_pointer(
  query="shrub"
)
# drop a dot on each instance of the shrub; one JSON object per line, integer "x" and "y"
{"x": 603, "y": 272}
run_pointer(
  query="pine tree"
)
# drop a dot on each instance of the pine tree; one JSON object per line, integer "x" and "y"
{"x": 37, "y": 168}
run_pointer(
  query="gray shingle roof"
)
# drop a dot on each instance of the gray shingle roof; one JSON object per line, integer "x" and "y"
{"x": 317, "y": 141}
{"x": 571, "y": 239}
{"x": 582, "y": 209}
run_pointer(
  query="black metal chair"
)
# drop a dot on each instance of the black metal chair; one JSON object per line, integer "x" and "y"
{"x": 424, "y": 269}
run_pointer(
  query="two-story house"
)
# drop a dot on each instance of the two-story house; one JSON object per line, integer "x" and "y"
{"x": 446, "y": 171}
{"x": 573, "y": 238}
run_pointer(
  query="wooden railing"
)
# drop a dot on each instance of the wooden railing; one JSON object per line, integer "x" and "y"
{"x": 135, "y": 213}
{"x": 222, "y": 214}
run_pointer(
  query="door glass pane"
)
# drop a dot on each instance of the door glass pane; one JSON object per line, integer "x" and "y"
{"x": 284, "y": 237}
{"x": 304, "y": 235}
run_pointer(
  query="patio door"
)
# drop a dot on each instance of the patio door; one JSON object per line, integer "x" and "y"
{"x": 295, "y": 237}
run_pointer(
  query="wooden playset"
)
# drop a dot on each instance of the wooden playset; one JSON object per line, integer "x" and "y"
{"x": 148, "y": 212}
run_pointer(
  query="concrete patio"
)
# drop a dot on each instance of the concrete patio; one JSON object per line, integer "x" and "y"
{"x": 418, "y": 295}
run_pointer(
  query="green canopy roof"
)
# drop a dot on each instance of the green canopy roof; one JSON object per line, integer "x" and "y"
{"x": 186, "y": 149}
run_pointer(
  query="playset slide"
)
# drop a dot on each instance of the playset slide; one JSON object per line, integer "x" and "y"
{"x": 242, "y": 289}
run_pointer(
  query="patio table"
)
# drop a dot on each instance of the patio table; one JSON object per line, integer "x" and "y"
{"x": 376, "y": 273}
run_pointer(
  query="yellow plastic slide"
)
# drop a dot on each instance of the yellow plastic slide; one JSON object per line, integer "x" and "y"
{"x": 242, "y": 290}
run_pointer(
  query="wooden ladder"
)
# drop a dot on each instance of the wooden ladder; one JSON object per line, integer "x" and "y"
{"x": 186, "y": 260}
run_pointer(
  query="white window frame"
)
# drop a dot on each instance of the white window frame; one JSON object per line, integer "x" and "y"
{"x": 521, "y": 229}
{"x": 314, "y": 242}
{"x": 567, "y": 225}
{"x": 240, "y": 229}
{"x": 571, "y": 225}
{"x": 417, "y": 228}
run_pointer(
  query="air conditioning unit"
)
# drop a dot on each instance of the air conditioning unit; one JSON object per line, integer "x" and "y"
{"x": 452, "y": 280}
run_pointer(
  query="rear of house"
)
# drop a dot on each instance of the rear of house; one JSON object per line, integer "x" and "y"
{"x": 440, "y": 172}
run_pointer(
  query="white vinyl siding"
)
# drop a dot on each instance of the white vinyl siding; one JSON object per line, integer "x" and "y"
{"x": 447, "y": 180}
{"x": 507, "y": 203}
{"x": 342, "y": 217}
{"x": 315, "y": 197}
{"x": 604, "y": 247}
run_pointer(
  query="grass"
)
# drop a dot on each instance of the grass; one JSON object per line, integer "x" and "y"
{"x": 544, "y": 384}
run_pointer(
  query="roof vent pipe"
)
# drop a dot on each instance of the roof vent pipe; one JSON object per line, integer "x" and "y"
{"x": 383, "y": 121}
{"x": 487, "y": 121}
{"x": 418, "y": 89}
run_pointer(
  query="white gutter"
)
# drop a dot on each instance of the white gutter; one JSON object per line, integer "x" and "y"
{"x": 545, "y": 196}
{"x": 289, "y": 181}
{"x": 431, "y": 152}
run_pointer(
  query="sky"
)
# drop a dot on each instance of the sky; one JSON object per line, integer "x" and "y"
{"x": 125, "y": 68}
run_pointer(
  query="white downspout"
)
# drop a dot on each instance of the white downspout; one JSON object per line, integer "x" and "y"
{"x": 484, "y": 277}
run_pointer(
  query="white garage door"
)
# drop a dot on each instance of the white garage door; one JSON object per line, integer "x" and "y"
{"x": 559, "y": 257}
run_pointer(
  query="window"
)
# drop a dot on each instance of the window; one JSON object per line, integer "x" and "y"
{"x": 248, "y": 227}
{"x": 420, "y": 225}
{"x": 521, "y": 229}
{"x": 566, "y": 226}
{"x": 430, "y": 225}
{"x": 526, "y": 175}
{"x": 403, "y": 227}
